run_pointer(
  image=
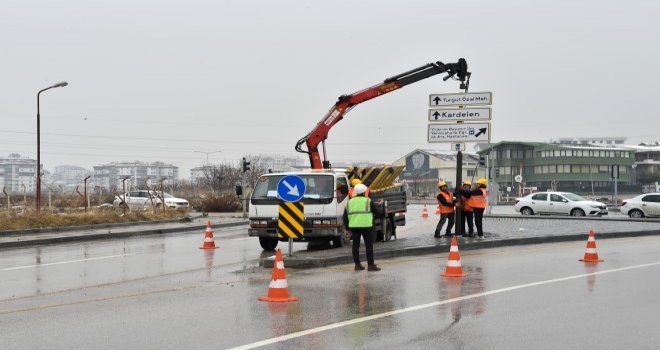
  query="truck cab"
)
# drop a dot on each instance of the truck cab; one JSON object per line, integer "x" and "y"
{"x": 324, "y": 201}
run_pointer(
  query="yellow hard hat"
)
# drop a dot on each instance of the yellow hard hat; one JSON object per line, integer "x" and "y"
{"x": 355, "y": 182}
{"x": 442, "y": 183}
{"x": 467, "y": 182}
{"x": 482, "y": 181}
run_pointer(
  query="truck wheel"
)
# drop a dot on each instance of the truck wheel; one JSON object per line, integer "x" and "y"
{"x": 268, "y": 243}
{"x": 342, "y": 240}
{"x": 389, "y": 230}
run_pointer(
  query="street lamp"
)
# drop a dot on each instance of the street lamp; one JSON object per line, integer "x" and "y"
{"x": 38, "y": 189}
{"x": 207, "y": 155}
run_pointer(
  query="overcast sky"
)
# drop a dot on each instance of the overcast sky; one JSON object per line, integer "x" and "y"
{"x": 157, "y": 80}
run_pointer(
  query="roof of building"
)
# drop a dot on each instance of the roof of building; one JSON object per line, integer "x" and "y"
{"x": 558, "y": 145}
{"x": 445, "y": 155}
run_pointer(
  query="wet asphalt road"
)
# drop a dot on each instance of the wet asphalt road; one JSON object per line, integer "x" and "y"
{"x": 519, "y": 297}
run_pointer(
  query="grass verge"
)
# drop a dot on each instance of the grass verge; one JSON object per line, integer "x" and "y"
{"x": 10, "y": 221}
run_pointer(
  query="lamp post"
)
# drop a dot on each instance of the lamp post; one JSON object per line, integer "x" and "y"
{"x": 38, "y": 189}
{"x": 207, "y": 155}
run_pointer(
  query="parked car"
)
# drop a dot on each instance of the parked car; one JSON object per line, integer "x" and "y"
{"x": 645, "y": 205}
{"x": 559, "y": 203}
{"x": 143, "y": 198}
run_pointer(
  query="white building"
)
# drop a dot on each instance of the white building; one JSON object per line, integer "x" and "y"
{"x": 70, "y": 176}
{"x": 595, "y": 141}
{"x": 424, "y": 168}
{"x": 18, "y": 174}
{"x": 110, "y": 175}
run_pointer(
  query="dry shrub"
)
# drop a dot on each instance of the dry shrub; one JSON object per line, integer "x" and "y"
{"x": 17, "y": 221}
{"x": 223, "y": 202}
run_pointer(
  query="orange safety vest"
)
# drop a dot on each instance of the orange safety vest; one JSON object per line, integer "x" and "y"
{"x": 450, "y": 198}
{"x": 466, "y": 204}
{"x": 478, "y": 201}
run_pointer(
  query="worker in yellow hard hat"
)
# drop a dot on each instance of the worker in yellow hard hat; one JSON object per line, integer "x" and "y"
{"x": 477, "y": 200}
{"x": 468, "y": 212}
{"x": 446, "y": 201}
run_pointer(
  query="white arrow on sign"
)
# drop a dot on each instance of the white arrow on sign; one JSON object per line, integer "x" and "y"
{"x": 293, "y": 190}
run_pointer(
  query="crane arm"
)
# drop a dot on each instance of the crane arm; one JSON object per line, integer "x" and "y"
{"x": 345, "y": 102}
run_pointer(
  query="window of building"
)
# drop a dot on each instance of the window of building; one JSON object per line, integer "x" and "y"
{"x": 584, "y": 169}
{"x": 529, "y": 154}
{"x": 471, "y": 172}
{"x": 552, "y": 169}
{"x": 506, "y": 154}
{"x": 623, "y": 169}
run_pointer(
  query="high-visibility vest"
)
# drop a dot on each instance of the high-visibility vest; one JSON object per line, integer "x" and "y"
{"x": 359, "y": 212}
{"x": 450, "y": 198}
{"x": 466, "y": 204}
{"x": 478, "y": 201}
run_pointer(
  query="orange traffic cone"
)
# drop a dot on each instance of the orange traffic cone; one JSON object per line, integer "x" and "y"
{"x": 209, "y": 242}
{"x": 278, "y": 289}
{"x": 425, "y": 213}
{"x": 437, "y": 210}
{"x": 454, "y": 268}
{"x": 590, "y": 254}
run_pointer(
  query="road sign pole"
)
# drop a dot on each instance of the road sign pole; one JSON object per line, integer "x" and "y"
{"x": 489, "y": 178}
{"x": 290, "y": 247}
{"x": 459, "y": 182}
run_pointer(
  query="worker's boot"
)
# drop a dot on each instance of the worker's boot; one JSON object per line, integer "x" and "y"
{"x": 359, "y": 267}
{"x": 373, "y": 267}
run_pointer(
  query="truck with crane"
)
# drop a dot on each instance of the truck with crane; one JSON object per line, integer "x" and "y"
{"x": 327, "y": 189}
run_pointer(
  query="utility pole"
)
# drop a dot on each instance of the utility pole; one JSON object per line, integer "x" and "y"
{"x": 86, "y": 197}
{"x": 162, "y": 195}
{"x": 38, "y": 188}
{"x": 246, "y": 168}
{"x": 123, "y": 195}
{"x": 459, "y": 182}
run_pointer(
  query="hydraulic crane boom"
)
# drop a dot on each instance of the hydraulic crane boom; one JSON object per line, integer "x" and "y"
{"x": 345, "y": 102}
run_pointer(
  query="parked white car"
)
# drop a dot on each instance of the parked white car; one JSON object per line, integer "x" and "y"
{"x": 645, "y": 205}
{"x": 140, "y": 199}
{"x": 559, "y": 203}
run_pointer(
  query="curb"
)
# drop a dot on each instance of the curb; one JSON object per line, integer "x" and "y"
{"x": 99, "y": 236}
{"x": 346, "y": 258}
{"x": 91, "y": 227}
{"x": 561, "y": 217}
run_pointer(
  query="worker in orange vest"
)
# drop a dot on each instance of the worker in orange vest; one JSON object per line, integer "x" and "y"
{"x": 476, "y": 199}
{"x": 468, "y": 214}
{"x": 446, "y": 201}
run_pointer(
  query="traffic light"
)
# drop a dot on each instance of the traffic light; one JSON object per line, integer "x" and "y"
{"x": 482, "y": 160}
{"x": 246, "y": 165}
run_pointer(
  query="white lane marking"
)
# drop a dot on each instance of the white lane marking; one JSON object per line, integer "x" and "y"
{"x": 65, "y": 262}
{"x": 426, "y": 306}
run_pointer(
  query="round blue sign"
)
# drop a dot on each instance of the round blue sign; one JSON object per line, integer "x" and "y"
{"x": 291, "y": 188}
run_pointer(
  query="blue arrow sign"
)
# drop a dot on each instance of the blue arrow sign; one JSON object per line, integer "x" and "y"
{"x": 291, "y": 188}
